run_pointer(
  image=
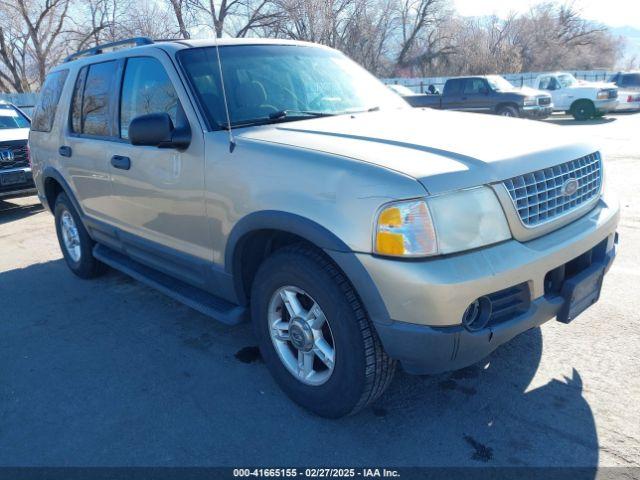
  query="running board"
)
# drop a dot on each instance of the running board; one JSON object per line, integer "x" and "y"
{"x": 196, "y": 298}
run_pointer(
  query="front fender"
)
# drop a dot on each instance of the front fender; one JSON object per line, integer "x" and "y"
{"x": 317, "y": 235}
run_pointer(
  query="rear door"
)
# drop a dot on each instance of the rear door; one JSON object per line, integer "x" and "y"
{"x": 90, "y": 132}
{"x": 159, "y": 198}
{"x": 452, "y": 94}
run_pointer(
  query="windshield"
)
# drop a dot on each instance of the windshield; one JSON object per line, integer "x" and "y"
{"x": 262, "y": 80}
{"x": 12, "y": 118}
{"x": 499, "y": 84}
{"x": 566, "y": 80}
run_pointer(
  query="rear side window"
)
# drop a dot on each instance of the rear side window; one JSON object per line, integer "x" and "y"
{"x": 48, "y": 102}
{"x": 91, "y": 112}
{"x": 630, "y": 80}
{"x": 453, "y": 87}
{"x": 146, "y": 88}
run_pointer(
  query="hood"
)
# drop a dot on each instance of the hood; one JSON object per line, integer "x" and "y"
{"x": 587, "y": 84}
{"x": 443, "y": 150}
{"x": 533, "y": 92}
{"x": 10, "y": 134}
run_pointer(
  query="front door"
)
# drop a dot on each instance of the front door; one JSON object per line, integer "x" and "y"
{"x": 158, "y": 193}
{"x": 475, "y": 95}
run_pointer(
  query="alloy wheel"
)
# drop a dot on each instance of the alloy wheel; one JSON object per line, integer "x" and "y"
{"x": 301, "y": 335}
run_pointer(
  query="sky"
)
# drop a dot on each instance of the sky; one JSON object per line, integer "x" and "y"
{"x": 615, "y": 13}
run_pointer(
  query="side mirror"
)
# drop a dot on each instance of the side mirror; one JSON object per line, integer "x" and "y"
{"x": 157, "y": 130}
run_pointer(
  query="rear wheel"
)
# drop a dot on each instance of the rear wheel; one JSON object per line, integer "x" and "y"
{"x": 314, "y": 334}
{"x": 583, "y": 110}
{"x": 75, "y": 243}
{"x": 508, "y": 111}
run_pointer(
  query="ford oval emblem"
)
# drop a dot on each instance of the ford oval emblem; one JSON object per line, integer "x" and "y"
{"x": 569, "y": 187}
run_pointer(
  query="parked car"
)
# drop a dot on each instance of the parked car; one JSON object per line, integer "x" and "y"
{"x": 490, "y": 94}
{"x": 583, "y": 100}
{"x": 628, "y": 84}
{"x": 15, "y": 168}
{"x": 300, "y": 192}
{"x": 626, "y": 80}
{"x": 628, "y": 101}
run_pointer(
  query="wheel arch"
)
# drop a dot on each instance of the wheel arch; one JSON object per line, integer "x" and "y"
{"x": 580, "y": 100}
{"x": 53, "y": 184}
{"x": 506, "y": 103}
{"x": 259, "y": 234}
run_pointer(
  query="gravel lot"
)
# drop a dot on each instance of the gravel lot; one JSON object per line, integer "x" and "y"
{"x": 109, "y": 372}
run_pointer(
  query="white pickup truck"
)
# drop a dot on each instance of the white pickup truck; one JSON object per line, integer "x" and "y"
{"x": 583, "y": 100}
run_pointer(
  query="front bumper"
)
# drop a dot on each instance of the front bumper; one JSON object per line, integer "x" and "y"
{"x": 536, "y": 111}
{"x": 427, "y": 299}
{"x": 604, "y": 106}
{"x": 24, "y": 188}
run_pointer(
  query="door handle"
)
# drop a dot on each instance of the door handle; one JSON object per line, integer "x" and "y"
{"x": 123, "y": 163}
{"x": 65, "y": 151}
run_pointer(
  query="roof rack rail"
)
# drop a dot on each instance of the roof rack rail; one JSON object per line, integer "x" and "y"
{"x": 97, "y": 50}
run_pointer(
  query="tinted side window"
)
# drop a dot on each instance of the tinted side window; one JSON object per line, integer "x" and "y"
{"x": 543, "y": 84}
{"x": 76, "y": 102}
{"x": 630, "y": 80}
{"x": 48, "y": 101}
{"x": 99, "y": 86}
{"x": 475, "y": 86}
{"x": 146, "y": 88}
{"x": 453, "y": 87}
{"x": 91, "y": 104}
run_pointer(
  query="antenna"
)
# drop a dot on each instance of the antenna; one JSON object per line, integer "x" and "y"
{"x": 232, "y": 141}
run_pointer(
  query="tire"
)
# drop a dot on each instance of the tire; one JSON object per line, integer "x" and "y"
{"x": 508, "y": 111}
{"x": 361, "y": 369}
{"x": 583, "y": 110}
{"x": 77, "y": 248}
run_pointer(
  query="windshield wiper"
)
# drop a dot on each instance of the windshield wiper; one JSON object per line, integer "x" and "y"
{"x": 290, "y": 113}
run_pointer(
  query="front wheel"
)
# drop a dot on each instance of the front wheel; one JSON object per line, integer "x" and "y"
{"x": 314, "y": 334}
{"x": 508, "y": 111}
{"x": 583, "y": 110}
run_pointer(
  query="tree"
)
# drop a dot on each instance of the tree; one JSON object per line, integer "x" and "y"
{"x": 13, "y": 53}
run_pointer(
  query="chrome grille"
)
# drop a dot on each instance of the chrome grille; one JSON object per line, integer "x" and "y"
{"x": 538, "y": 196}
{"x": 19, "y": 157}
{"x": 544, "y": 101}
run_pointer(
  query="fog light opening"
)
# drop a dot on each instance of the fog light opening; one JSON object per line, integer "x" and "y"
{"x": 477, "y": 314}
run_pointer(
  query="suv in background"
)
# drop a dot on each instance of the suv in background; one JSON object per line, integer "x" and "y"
{"x": 15, "y": 165}
{"x": 302, "y": 193}
{"x": 628, "y": 84}
{"x": 488, "y": 94}
{"x": 583, "y": 100}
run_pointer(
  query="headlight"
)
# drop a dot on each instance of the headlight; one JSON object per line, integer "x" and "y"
{"x": 405, "y": 229}
{"x": 441, "y": 224}
{"x": 603, "y": 95}
{"x": 530, "y": 101}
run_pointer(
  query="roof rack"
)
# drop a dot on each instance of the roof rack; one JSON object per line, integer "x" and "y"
{"x": 97, "y": 50}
